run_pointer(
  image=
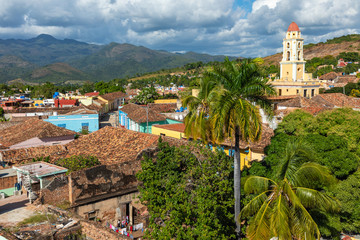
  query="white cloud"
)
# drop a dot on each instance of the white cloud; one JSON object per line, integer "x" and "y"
{"x": 212, "y": 26}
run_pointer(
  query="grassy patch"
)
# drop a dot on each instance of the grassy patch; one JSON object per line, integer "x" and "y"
{"x": 63, "y": 205}
{"x": 38, "y": 218}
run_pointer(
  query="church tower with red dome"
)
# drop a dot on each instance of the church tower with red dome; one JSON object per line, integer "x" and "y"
{"x": 293, "y": 78}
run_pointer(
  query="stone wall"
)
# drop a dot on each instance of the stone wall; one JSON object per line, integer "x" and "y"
{"x": 95, "y": 231}
{"x": 100, "y": 182}
{"x": 55, "y": 190}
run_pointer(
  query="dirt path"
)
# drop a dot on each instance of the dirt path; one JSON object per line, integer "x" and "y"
{"x": 15, "y": 209}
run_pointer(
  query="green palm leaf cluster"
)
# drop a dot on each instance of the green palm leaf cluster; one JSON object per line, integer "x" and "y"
{"x": 227, "y": 106}
{"x": 279, "y": 208}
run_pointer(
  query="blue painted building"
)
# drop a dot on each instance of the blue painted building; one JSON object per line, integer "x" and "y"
{"x": 141, "y": 119}
{"x": 76, "y": 122}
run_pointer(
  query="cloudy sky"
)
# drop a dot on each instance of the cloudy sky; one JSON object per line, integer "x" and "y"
{"x": 247, "y": 28}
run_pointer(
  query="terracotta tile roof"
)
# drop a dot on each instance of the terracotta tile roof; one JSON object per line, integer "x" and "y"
{"x": 112, "y": 144}
{"x": 30, "y": 129}
{"x": 138, "y": 113}
{"x": 94, "y": 107}
{"x": 7, "y": 124}
{"x": 114, "y": 95}
{"x": 22, "y": 155}
{"x": 347, "y": 79}
{"x": 82, "y": 110}
{"x": 266, "y": 135}
{"x": 329, "y": 76}
{"x": 299, "y": 102}
{"x": 178, "y": 127}
{"x": 331, "y": 100}
{"x": 92, "y": 94}
{"x": 293, "y": 27}
{"x": 163, "y": 107}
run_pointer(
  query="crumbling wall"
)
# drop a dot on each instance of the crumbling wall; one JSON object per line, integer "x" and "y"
{"x": 106, "y": 180}
{"x": 55, "y": 190}
{"x": 93, "y": 230}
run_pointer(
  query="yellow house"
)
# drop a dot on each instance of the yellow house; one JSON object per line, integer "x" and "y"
{"x": 248, "y": 151}
{"x": 112, "y": 100}
{"x": 162, "y": 101}
{"x": 171, "y": 130}
{"x": 293, "y": 78}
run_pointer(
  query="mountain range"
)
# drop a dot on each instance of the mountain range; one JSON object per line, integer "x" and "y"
{"x": 46, "y": 58}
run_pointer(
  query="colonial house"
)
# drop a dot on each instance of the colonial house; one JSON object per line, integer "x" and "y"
{"x": 141, "y": 119}
{"x": 33, "y": 133}
{"x": 81, "y": 119}
{"x": 113, "y": 100}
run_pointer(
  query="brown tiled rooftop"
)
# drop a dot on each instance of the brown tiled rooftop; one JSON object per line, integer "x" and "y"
{"x": 331, "y": 100}
{"x": 178, "y": 127}
{"x": 138, "y": 114}
{"x": 266, "y": 135}
{"x": 111, "y": 144}
{"x": 112, "y": 96}
{"x": 299, "y": 102}
{"x": 329, "y": 76}
{"x": 163, "y": 107}
{"x": 30, "y": 129}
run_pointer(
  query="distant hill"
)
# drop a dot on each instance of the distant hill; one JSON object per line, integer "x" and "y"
{"x": 12, "y": 67}
{"x": 56, "y": 72}
{"x": 38, "y": 60}
{"x": 349, "y": 43}
{"x": 121, "y": 60}
{"x": 45, "y": 49}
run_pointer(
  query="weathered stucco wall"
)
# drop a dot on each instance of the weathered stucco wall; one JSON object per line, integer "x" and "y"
{"x": 55, "y": 190}
{"x": 100, "y": 182}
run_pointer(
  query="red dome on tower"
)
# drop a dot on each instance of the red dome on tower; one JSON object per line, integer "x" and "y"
{"x": 293, "y": 27}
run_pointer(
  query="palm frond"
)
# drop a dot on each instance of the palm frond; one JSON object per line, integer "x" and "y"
{"x": 311, "y": 198}
{"x": 257, "y": 185}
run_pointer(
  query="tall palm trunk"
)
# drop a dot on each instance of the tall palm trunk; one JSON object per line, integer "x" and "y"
{"x": 237, "y": 178}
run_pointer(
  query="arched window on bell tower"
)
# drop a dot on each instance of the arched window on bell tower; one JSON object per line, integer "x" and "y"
{"x": 298, "y": 55}
{"x": 288, "y": 45}
{"x": 288, "y": 56}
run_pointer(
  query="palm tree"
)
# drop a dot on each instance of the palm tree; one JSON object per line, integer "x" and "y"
{"x": 197, "y": 120}
{"x": 235, "y": 109}
{"x": 280, "y": 207}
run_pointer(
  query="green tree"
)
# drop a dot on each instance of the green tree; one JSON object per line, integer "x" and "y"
{"x": 233, "y": 112}
{"x": 188, "y": 195}
{"x": 197, "y": 121}
{"x": 280, "y": 207}
{"x": 147, "y": 95}
{"x": 75, "y": 163}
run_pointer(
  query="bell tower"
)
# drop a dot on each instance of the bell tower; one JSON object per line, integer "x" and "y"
{"x": 292, "y": 65}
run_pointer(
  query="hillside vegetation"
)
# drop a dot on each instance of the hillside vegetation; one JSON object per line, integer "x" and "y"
{"x": 333, "y": 47}
{"x": 32, "y": 60}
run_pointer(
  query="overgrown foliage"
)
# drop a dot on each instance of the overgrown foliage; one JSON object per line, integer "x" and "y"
{"x": 75, "y": 163}
{"x": 334, "y": 137}
{"x": 189, "y": 196}
{"x": 280, "y": 207}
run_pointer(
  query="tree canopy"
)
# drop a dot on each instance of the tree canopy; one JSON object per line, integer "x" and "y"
{"x": 188, "y": 195}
